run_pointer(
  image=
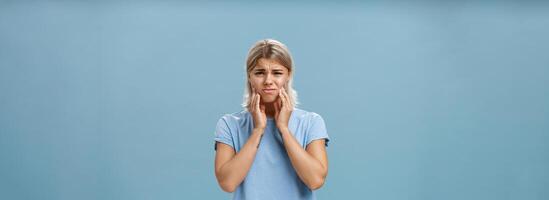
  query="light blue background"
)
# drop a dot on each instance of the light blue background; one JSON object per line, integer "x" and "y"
{"x": 426, "y": 100}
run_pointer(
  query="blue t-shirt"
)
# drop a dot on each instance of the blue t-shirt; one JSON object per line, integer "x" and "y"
{"x": 271, "y": 175}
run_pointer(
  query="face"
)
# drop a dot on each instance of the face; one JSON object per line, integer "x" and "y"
{"x": 267, "y": 78}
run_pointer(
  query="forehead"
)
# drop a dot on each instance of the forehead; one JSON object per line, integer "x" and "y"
{"x": 268, "y": 64}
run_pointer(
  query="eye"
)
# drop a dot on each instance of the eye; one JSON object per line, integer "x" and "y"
{"x": 258, "y": 73}
{"x": 278, "y": 73}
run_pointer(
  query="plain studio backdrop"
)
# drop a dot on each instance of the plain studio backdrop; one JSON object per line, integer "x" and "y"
{"x": 425, "y": 100}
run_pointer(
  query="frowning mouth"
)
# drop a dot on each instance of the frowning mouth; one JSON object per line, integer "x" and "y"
{"x": 269, "y": 91}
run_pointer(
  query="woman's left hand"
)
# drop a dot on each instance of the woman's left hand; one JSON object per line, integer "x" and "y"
{"x": 283, "y": 109}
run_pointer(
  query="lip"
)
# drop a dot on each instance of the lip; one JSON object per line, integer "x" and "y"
{"x": 269, "y": 91}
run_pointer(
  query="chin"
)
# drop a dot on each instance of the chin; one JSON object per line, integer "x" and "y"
{"x": 268, "y": 99}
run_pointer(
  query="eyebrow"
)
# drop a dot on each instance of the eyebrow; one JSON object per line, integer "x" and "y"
{"x": 262, "y": 69}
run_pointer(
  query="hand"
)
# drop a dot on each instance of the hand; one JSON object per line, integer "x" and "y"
{"x": 258, "y": 111}
{"x": 283, "y": 109}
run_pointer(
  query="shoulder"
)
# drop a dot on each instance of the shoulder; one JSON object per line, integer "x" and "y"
{"x": 235, "y": 117}
{"x": 301, "y": 114}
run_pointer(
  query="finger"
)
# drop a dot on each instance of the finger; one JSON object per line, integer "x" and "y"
{"x": 262, "y": 107}
{"x": 275, "y": 105}
{"x": 284, "y": 101}
{"x": 287, "y": 98}
{"x": 257, "y": 101}
{"x": 252, "y": 102}
{"x": 280, "y": 98}
{"x": 279, "y": 103}
{"x": 290, "y": 104}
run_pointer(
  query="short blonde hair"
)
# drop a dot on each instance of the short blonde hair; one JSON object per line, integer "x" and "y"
{"x": 269, "y": 49}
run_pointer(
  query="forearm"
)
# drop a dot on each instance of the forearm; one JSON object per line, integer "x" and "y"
{"x": 309, "y": 169}
{"x": 233, "y": 172}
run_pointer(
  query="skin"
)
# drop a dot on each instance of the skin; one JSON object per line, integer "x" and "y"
{"x": 310, "y": 164}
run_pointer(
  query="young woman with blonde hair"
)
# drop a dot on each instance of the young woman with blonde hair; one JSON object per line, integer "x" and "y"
{"x": 271, "y": 149}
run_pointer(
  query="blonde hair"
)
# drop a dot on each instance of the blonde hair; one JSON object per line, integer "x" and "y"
{"x": 269, "y": 49}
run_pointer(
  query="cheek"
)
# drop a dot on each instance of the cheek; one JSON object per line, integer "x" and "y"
{"x": 281, "y": 82}
{"x": 254, "y": 81}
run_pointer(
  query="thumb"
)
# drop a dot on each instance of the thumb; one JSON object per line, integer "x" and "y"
{"x": 277, "y": 110}
{"x": 262, "y": 107}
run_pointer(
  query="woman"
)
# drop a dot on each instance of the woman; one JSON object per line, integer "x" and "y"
{"x": 271, "y": 150}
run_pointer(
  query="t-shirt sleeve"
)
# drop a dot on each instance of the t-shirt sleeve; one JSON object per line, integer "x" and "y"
{"x": 317, "y": 130}
{"x": 223, "y": 133}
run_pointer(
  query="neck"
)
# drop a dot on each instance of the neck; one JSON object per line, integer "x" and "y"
{"x": 269, "y": 109}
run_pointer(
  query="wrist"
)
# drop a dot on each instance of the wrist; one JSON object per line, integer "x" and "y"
{"x": 282, "y": 128}
{"x": 258, "y": 130}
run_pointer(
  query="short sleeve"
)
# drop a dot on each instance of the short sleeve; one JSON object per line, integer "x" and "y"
{"x": 317, "y": 129}
{"x": 223, "y": 133}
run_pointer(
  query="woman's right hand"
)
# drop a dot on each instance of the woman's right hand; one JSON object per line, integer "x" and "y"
{"x": 258, "y": 112}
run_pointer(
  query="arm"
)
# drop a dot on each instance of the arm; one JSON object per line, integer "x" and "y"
{"x": 311, "y": 165}
{"x": 230, "y": 167}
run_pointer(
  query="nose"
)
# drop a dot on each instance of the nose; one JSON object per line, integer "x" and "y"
{"x": 268, "y": 79}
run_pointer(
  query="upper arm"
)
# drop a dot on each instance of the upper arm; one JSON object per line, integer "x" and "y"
{"x": 224, "y": 143}
{"x": 223, "y": 154}
{"x": 317, "y": 149}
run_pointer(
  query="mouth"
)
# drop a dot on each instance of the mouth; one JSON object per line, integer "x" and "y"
{"x": 269, "y": 91}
